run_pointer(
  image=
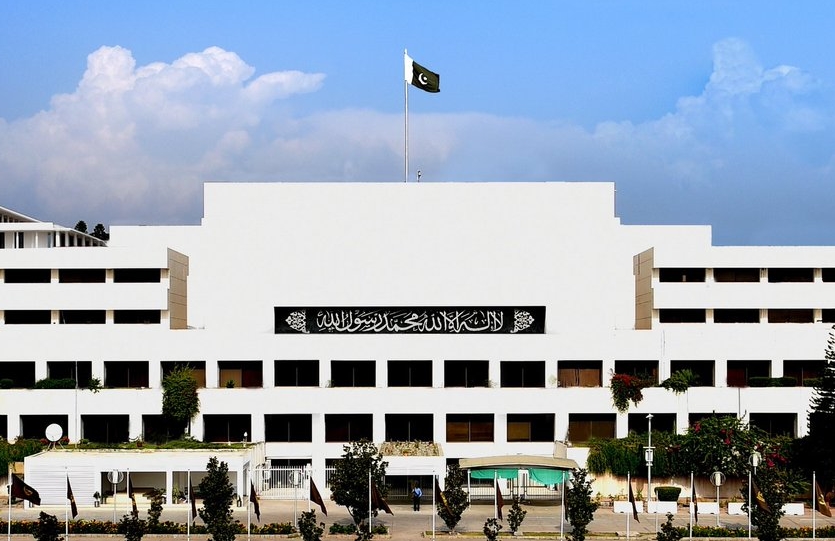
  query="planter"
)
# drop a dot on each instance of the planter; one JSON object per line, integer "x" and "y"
{"x": 795, "y": 509}
{"x": 708, "y": 508}
{"x": 735, "y": 508}
{"x": 626, "y": 507}
{"x": 662, "y": 507}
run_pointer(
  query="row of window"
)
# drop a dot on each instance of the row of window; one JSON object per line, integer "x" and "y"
{"x": 771, "y": 275}
{"x": 745, "y": 315}
{"x": 339, "y": 428}
{"x": 82, "y": 317}
{"x": 408, "y": 373}
{"x": 81, "y": 276}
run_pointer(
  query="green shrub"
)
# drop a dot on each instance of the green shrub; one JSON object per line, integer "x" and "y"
{"x": 60, "y": 383}
{"x": 759, "y": 381}
{"x": 337, "y": 529}
{"x": 6, "y": 383}
{"x": 667, "y": 494}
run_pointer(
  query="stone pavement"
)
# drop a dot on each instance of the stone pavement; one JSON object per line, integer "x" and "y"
{"x": 407, "y": 524}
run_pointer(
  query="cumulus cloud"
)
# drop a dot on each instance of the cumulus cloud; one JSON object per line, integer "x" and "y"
{"x": 134, "y": 145}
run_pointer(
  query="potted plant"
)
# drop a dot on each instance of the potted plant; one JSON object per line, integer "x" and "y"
{"x": 96, "y": 499}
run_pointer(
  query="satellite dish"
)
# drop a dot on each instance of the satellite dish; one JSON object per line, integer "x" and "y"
{"x": 54, "y": 432}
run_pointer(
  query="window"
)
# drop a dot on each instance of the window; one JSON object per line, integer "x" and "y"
{"x": 105, "y": 428}
{"x": 828, "y": 275}
{"x": 703, "y": 370}
{"x": 828, "y": 315}
{"x": 81, "y": 276}
{"x": 775, "y": 424}
{"x": 409, "y": 427}
{"x": 288, "y": 427}
{"x": 791, "y": 275}
{"x": 410, "y": 373}
{"x": 348, "y": 427}
{"x": 81, "y": 371}
{"x": 198, "y": 370}
{"x": 681, "y": 315}
{"x": 646, "y": 370}
{"x": 297, "y": 373}
{"x": 681, "y": 275}
{"x": 530, "y": 427}
{"x": 22, "y": 374}
{"x": 28, "y": 276}
{"x": 740, "y": 372}
{"x": 4, "y": 421}
{"x": 466, "y": 374}
{"x": 239, "y": 374}
{"x": 81, "y": 317}
{"x": 736, "y": 315}
{"x": 786, "y": 315}
{"x": 136, "y": 317}
{"x": 469, "y": 427}
{"x": 353, "y": 374}
{"x": 523, "y": 373}
{"x": 585, "y": 426}
{"x": 227, "y": 428}
{"x": 736, "y": 275}
{"x": 804, "y": 372}
{"x": 28, "y": 317}
{"x": 580, "y": 373}
{"x": 34, "y": 426}
{"x": 661, "y": 422}
{"x": 158, "y": 429}
{"x": 121, "y": 374}
{"x": 136, "y": 275}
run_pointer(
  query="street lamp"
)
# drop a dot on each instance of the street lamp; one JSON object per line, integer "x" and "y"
{"x": 649, "y": 451}
{"x": 755, "y": 460}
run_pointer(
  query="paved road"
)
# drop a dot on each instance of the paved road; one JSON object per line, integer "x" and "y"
{"x": 407, "y": 524}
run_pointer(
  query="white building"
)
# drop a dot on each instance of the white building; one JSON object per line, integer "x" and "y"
{"x": 487, "y": 318}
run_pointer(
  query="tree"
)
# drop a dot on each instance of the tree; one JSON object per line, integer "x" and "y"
{"x": 132, "y": 528}
{"x": 308, "y": 529}
{"x": 668, "y": 531}
{"x": 818, "y": 451}
{"x": 349, "y": 482}
{"x": 217, "y": 493}
{"x": 515, "y": 516}
{"x": 772, "y": 483}
{"x": 455, "y": 500}
{"x": 81, "y": 226}
{"x": 47, "y": 528}
{"x": 155, "y": 510}
{"x": 580, "y": 506}
{"x": 180, "y": 402}
{"x": 100, "y": 233}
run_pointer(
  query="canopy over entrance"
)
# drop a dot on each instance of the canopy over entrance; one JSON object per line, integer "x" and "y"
{"x": 544, "y": 470}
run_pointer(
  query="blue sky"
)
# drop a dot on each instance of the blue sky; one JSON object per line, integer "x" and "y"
{"x": 709, "y": 112}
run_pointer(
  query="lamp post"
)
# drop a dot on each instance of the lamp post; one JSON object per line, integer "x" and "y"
{"x": 755, "y": 460}
{"x": 648, "y": 454}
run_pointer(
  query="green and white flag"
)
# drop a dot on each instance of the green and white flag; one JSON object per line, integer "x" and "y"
{"x": 417, "y": 75}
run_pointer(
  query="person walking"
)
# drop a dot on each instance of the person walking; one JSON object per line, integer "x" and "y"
{"x": 416, "y": 494}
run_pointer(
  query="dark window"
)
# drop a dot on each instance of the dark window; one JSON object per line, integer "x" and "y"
{"x": 530, "y": 427}
{"x": 681, "y": 315}
{"x": 81, "y": 317}
{"x": 28, "y": 317}
{"x": 136, "y": 275}
{"x": 828, "y": 275}
{"x": 791, "y": 275}
{"x": 787, "y": 315}
{"x": 22, "y": 373}
{"x": 198, "y": 369}
{"x": 81, "y": 371}
{"x": 661, "y": 422}
{"x": 34, "y": 426}
{"x": 580, "y": 373}
{"x": 585, "y": 426}
{"x": 775, "y": 424}
{"x": 828, "y": 315}
{"x": 736, "y": 275}
{"x": 105, "y": 428}
{"x": 646, "y": 370}
{"x": 466, "y": 374}
{"x": 297, "y": 373}
{"x": 78, "y": 276}
{"x": 703, "y": 370}
{"x": 158, "y": 429}
{"x": 353, "y": 374}
{"x": 240, "y": 374}
{"x": 4, "y": 421}
{"x": 523, "y": 373}
{"x": 740, "y": 372}
{"x": 348, "y": 427}
{"x": 227, "y": 428}
{"x": 28, "y": 276}
{"x": 410, "y": 373}
{"x": 136, "y": 317}
{"x": 804, "y": 371}
{"x": 681, "y": 275}
{"x": 736, "y": 315}
{"x": 409, "y": 427}
{"x": 469, "y": 427}
{"x": 288, "y": 427}
{"x": 121, "y": 374}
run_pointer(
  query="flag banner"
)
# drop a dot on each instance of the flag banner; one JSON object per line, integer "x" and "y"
{"x": 24, "y": 492}
{"x": 695, "y": 501}
{"x": 424, "y": 79}
{"x": 134, "y": 510}
{"x": 440, "y": 497}
{"x": 253, "y": 499}
{"x": 192, "y": 499}
{"x": 759, "y": 498}
{"x": 820, "y": 502}
{"x": 377, "y": 501}
{"x": 71, "y": 498}
{"x": 632, "y": 501}
{"x": 499, "y": 501}
{"x": 316, "y": 498}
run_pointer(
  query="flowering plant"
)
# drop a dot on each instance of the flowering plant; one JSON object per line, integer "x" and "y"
{"x": 627, "y": 388}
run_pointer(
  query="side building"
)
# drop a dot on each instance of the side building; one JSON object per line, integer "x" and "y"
{"x": 478, "y": 319}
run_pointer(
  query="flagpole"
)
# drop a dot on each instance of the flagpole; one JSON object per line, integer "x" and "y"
{"x": 495, "y": 495}
{"x": 370, "y": 503}
{"x": 188, "y": 511}
{"x": 749, "y": 503}
{"x": 406, "y": 117}
{"x": 434, "y": 505}
{"x": 814, "y": 502}
{"x": 628, "y": 487}
{"x": 127, "y": 491}
{"x": 692, "y": 504}
{"x": 9, "y": 523}
{"x": 249, "y": 508}
{"x": 66, "y": 505}
{"x": 562, "y": 511}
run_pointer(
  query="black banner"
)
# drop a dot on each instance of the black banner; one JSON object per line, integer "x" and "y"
{"x": 413, "y": 320}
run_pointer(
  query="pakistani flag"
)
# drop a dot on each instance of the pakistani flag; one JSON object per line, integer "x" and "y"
{"x": 417, "y": 75}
